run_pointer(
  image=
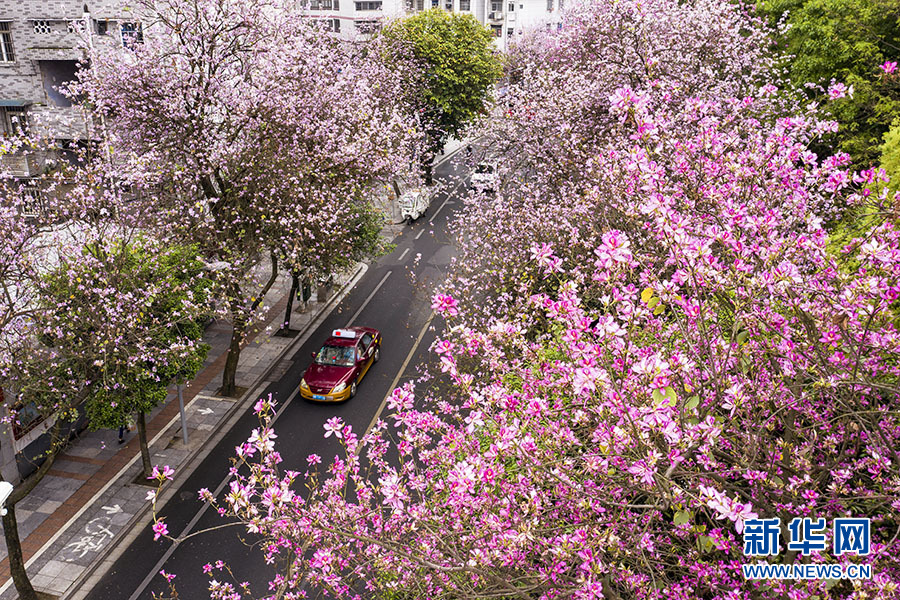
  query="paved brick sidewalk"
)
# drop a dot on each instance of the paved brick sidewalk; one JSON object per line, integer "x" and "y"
{"x": 88, "y": 498}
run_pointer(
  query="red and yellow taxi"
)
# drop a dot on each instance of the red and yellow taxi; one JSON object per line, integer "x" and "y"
{"x": 340, "y": 364}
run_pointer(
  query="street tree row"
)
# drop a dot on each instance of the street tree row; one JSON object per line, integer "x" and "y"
{"x": 235, "y": 142}
{"x": 658, "y": 360}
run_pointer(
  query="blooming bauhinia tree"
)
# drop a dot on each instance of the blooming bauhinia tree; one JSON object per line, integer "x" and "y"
{"x": 643, "y": 356}
{"x": 124, "y": 316}
{"x": 249, "y": 132}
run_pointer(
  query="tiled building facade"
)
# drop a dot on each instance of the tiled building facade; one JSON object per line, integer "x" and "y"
{"x": 40, "y": 46}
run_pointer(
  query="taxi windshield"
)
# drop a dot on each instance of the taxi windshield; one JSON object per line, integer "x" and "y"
{"x": 484, "y": 168}
{"x": 338, "y": 356}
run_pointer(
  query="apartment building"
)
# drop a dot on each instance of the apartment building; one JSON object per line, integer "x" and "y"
{"x": 40, "y": 46}
{"x": 506, "y": 18}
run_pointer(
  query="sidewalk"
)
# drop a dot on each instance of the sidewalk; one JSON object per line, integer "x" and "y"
{"x": 87, "y": 502}
{"x": 77, "y": 512}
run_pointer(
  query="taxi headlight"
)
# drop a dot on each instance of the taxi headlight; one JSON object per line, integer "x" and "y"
{"x": 303, "y": 384}
{"x": 339, "y": 388}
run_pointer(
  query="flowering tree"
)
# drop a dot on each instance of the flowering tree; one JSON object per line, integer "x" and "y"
{"x": 250, "y": 133}
{"x": 125, "y": 314}
{"x": 612, "y": 438}
{"x": 21, "y": 241}
{"x": 86, "y": 316}
{"x": 459, "y": 68}
{"x": 644, "y": 355}
{"x": 556, "y": 112}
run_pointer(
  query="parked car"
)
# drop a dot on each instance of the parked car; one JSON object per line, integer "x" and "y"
{"x": 340, "y": 364}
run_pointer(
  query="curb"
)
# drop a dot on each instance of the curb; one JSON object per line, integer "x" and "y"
{"x": 448, "y": 157}
{"x": 74, "y": 592}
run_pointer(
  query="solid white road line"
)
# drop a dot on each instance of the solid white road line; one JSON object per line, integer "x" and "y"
{"x": 400, "y": 373}
{"x": 366, "y": 302}
{"x": 190, "y": 526}
{"x": 418, "y": 235}
{"x": 402, "y": 255}
{"x": 440, "y": 208}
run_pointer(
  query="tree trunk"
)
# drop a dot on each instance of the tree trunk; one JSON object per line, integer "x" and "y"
{"x": 10, "y": 527}
{"x": 427, "y": 173}
{"x": 240, "y": 322}
{"x": 229, "y": 386}
{"x": 142, "y": 437}
{"x": 295, "y": 285}
{"x": 16, "y": 559}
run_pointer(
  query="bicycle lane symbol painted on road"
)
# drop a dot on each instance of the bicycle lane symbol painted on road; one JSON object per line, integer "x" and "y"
{"x": 97, "y": 534}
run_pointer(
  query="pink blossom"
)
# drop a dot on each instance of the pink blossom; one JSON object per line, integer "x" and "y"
{"x": 444, "y": 304}
{"x": 159, "y": 529}
{"x": 839, "y": 90}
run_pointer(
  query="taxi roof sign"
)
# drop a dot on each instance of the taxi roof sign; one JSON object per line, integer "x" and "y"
{"x": 343, "y": 333}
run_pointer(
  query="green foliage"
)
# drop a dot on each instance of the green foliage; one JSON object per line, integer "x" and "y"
{"x": 846, "y": 40}
{"x": 129, "y": 354}
{"x": 460, "y": 63}
{"x": 890, "y": 155}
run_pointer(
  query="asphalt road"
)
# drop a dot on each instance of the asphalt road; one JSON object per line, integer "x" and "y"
{"x": 394, "y": 297}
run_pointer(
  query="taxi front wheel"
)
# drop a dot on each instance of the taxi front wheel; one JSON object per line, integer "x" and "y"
{"x": 352, "y": 389}
{"x": 377, "y": 355}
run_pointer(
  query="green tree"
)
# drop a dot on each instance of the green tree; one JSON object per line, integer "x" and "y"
{"x": 846, "y": 40}
{"x": 890, "y": 155}
{"x": 128, "y": 322}
{"x": 460, "y": 66}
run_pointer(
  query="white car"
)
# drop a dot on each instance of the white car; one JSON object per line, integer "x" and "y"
{"x": 412, "y": 201}
{"x": 485, "y": 177}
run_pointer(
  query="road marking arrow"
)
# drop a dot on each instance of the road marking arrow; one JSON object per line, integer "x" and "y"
{"x": 111, "y": 510}
{"x": 205, "y": 411}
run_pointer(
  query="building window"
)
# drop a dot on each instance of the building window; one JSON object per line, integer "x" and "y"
{"x": 6, "y": 44}
{"x": 549, "y": 5}
{"x": 434, "y": 3}
{"x": 448, "y": 5}
{"x": 420, "y": 5}
{"x": 496, "y": 5}
{"x": 56, "y": 74}
{"x": 512, "y": 7}
{"x": 13, "y": 120}
{"x": 368, "y": 27}
{"x": 465, "y": 5}
{"x": 369, "y": 5}
{"x": 132, "y": 34}
{"x": 497, "y": 29}
{"x": 105, "y": 27}
{"x": 32, "y": 202}
{"x": 510, "y": 32}
{"x": 42, "y": 27}
{"x": 25, "y": 419}
{"x": 74, "y": 26}
{"x": 334, "y": 25}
